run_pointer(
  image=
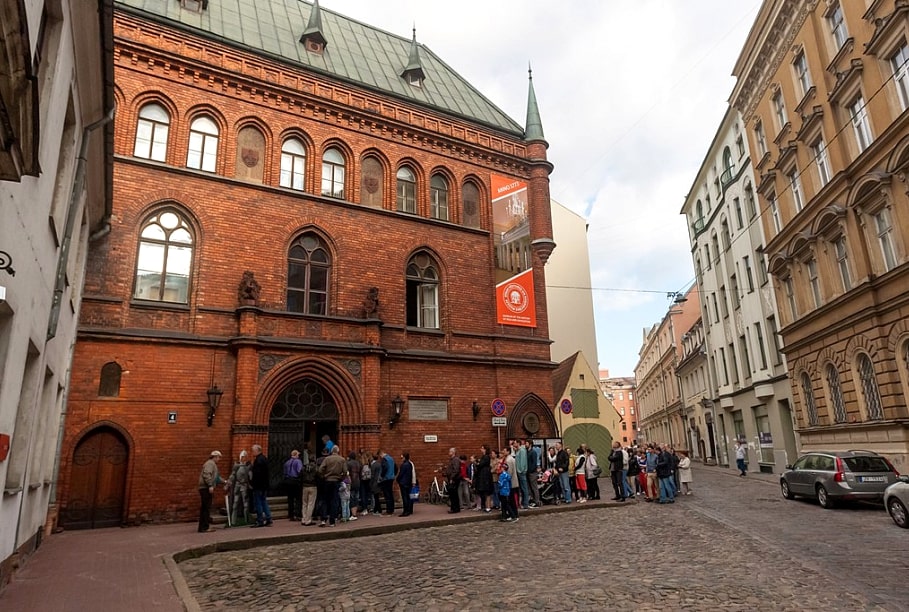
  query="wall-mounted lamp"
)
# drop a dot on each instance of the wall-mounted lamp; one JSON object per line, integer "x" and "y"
{"x": 397, "y": 405}
{"x": 475, "y": 409}
{"x": 214, "y": 400}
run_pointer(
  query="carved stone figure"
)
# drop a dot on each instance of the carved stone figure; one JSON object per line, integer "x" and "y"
{"x": 248, "y": 292}
{"x": 371, "y": 302}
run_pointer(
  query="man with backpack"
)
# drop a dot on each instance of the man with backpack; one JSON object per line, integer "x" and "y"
{"x": 616, "y": 466}
{"x": 309, "y": 481}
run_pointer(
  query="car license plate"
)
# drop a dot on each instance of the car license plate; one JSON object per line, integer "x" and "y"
{"x": 872, "y": 479}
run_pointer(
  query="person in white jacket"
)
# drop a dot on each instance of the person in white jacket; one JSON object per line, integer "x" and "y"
{"x": 685, "y": 472}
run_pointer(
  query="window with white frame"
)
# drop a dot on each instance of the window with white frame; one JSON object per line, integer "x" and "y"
{"x": 760, "y": 138}
{"x": 842, "y": 262}
{"x": 808, "y": 394}
{"x": 422, "y": 292}
{"x": 775, "y": 212}
{"x": 779, "y": 109}
{"x": 749, "y": 201}
{"x": 899, "y": 63}
{"x": 151, "y": 133}
{"x": 837, "y": 23}
{"x": 438, "y": 197}
{"x": 813, "y": 281}
{"x": 293, "y": 164}
{"x": 203, "y": 144}
{"x": 308, "y": 271}
{"x": 800, "y": 65}
{"x": 870, "y": 392}
{"x": 749, "y": 275}
{"x": 164, "y": 262}
{"x": 819, "y": 151}
{"x": 333, "y": 166}
{"x": 884, "y": 227}
{"x": 795, "y": 186}
{"x": 861, "y": 127}
{"x": 407, "y": 190}
{"x": 836, "y": 394}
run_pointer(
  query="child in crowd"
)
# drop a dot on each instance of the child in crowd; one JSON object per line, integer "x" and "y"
{"x": 509, "y": 511}
{"x": 344, "y": 493}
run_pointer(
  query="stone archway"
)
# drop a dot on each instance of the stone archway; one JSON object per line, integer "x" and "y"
{"x": 531, "y": 418}
{"x": 97, "y": 481}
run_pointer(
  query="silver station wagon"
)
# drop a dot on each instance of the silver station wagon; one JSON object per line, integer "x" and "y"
{"x": 838, "y": 476}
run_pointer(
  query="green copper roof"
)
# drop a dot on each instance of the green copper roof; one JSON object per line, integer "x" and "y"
{"x": 534, "y": 123}
{"x": 354, "y": 51}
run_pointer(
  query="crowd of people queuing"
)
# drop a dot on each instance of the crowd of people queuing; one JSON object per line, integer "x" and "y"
{"x": 331, "y": 488}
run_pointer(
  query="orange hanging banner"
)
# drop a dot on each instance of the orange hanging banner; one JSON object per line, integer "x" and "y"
{"x": 515, "y": 303}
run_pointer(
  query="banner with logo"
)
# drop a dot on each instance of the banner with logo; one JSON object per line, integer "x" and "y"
{"x": 515, "y": 304}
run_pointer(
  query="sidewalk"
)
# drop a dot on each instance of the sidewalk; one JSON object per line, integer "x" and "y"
{"x": 134, "y": 569}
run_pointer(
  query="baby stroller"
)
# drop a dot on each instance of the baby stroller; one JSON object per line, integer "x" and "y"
{"x": 550, "y": 491}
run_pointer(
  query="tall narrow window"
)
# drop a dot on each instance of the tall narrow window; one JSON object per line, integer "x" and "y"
{"x": 109, "y": 385}
{"x": 749, "y": 201}
{"x": 836, "y": 394}
{"x": 899, "y": 63}
{"x": 164, "y": 264}
{"x": 837, "y": 24}
{"x": 422, "y": 292}
{"x": 749, "y": 274}
{"x": 470, "y": 204}
{"x": 333, "y": 166}
{"x": 308, "y": 269}
{"x": 775, "y": 212}
{"x": 293, "y": 164}
{"x": 813, "y": 281}
{"x": 728, "y": 166}
{"x": 203, "y": 144}
{"x": 801, "y": 73}
{"x": 775, "y": 339}
{"x": 884, "y": 227}
{"x": 151, "y": 133}
{"x": 779, "y": 110}
{"x": 869, "y": 388}
{"x": 407, "y": 190}
{"x": 859, "y": 117}
{"x": 795, "y": 186}
{"x": 819, "y": 151}
{"x": 761, "y": 138}
{"x": 739, "y": 220}
{"x": 790, "y": 297}
{"x": 759, "y": 334}
{"x": 762, "y": 265}
{"x": 842, "y": 262}
{"x": 808, "y": 392}
{"x": 438, "y": 197}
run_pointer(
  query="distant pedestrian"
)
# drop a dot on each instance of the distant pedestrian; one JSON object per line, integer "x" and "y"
{"x": 406, "y": 479}
{"x": 741, "y": 452}
{"x": 453, "y": 475}
{"x": 506, "y": 499}
{"x": 260, "y": 483}
{"x": 483, "y": 483}
{"x": 208, "y": 480}
{"x": 333, "y": 470}
{"x": 309, "y": 482}
{"x": 238, "y": 485}
{"x": 353, "y": 472}
{"x": 561, "y": 466}
{"x": 292, "y": 486}
{"x": 593, "y": 473}
{"x": 580, "y": 475}
{"x": 533, "y": 473}
{"x": 387, "y": 482}
{"x": 685, "y": 472}
{"x": 616, "y": 464}
{"x": 664, "y": 467}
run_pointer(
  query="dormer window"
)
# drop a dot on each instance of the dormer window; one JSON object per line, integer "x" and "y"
{"x": 312, "y": 38}
{"x": 414, "y": 79}
{"x": 313, "y": 46}
{"x": 196, "y": 6}
{"x": 413, "y": 71}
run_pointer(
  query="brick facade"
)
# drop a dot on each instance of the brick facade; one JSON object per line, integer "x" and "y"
{"x": 359, "y": 355}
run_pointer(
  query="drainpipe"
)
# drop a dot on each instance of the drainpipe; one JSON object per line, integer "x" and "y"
{"x": 78, "y": 187}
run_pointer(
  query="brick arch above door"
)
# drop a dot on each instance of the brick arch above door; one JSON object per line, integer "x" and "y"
{"x": 531, "y": 413}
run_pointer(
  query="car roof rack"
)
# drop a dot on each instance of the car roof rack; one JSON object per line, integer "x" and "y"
{"x": 861, "y": 451}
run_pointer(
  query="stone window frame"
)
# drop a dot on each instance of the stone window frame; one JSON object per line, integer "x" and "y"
{"x": 808, "y": 399}
{"x": 865, "y": 376}
{"x": 834, "y": 388}
{"x": 423, "y": 291}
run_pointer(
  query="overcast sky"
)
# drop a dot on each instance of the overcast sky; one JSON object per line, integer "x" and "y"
{"x": 631, "y": 94}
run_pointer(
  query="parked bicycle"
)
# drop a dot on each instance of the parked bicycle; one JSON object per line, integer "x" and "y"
{"x": 438, "y": 490}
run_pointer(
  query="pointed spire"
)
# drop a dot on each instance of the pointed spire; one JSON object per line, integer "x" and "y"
{"x": 533, "y": 129}
{"x": 413, "y": 71}
{"x": 313, "y": 31}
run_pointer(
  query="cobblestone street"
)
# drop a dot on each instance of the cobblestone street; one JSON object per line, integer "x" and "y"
{"x": 734, "y": 544}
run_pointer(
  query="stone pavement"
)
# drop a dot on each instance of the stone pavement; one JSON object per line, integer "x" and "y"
{"x": 733, "y": 545}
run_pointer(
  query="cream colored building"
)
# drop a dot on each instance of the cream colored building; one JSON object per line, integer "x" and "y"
{"x": 747, "y": 393}
{"x": 823, "y": 88}
{"x": 583, "y": 413}
{"x": 55, "y": 97}
{"x": 569, "y": 297}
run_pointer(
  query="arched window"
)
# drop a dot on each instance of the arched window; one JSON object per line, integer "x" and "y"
{"x": 333, "y": 174}
{"x": 407, "y": 190}
{"x": 151, "y": 133}
{"x": 372, "y": 182}
{"x": 836, "y": 394}
{"x": 203, "y": 144}
{"x": 308, "y": 268}
{"x": 728, "y": 166}
{"x": 470, "y": 202}
{"x": 164, "y": 264}
{"x": 700, "y": 209}
{"x": 810, "y": 408}
{"x": 870, "y": 392}
{"x": 109, "y": 386}
{"x": 422, "y": 292}
{"x": 293, "y": 164}
{"x": 438, "y": 197}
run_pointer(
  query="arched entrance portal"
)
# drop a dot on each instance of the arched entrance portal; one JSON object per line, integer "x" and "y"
{"x": 98, "y": 481}
{"x": 302, "y": 414}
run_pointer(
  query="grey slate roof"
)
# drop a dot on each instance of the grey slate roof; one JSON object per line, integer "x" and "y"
{"x": 355, "y": 51}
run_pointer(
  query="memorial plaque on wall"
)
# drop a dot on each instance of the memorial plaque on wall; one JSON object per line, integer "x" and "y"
{"x": 427, "y": 410}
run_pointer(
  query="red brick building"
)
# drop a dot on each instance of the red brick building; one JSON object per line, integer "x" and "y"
{"x": 303, "y": 222}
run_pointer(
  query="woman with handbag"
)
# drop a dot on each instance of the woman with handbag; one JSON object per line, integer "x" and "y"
{"x": 406, "y": 479}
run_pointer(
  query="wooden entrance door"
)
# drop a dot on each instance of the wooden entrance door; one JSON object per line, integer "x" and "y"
{"x": 98, "y": 483}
